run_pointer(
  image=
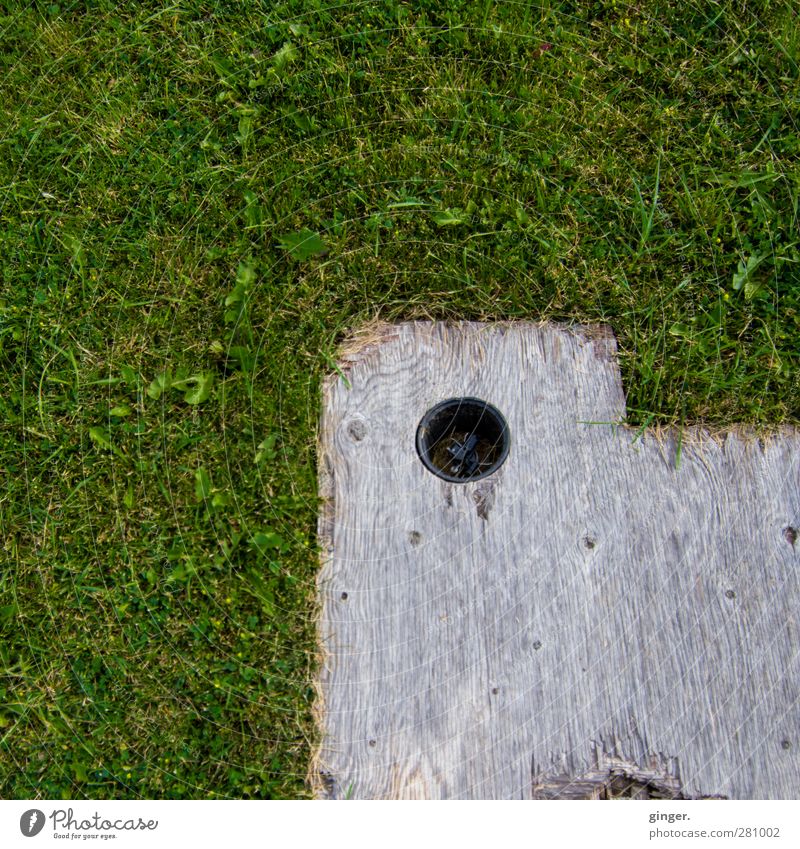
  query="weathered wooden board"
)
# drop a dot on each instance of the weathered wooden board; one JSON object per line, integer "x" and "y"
{"x": 587, "y": 617}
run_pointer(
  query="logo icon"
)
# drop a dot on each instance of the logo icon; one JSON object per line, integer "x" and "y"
{"x": 31, "y": 822}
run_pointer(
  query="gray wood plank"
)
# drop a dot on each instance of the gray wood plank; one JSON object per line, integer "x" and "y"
{"x": 588, "y": 617}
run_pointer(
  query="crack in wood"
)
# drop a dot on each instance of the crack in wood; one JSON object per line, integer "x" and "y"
{"x": 614, "y": 778}
{"x": 483, "y": 496}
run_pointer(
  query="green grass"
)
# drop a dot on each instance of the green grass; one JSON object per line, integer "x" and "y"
{"x": 198, "y": 200}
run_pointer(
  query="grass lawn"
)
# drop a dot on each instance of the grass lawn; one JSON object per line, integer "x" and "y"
{"x": 199, "y": 199}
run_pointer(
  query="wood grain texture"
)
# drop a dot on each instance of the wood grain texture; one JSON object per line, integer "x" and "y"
{"x": 588, "y": 614}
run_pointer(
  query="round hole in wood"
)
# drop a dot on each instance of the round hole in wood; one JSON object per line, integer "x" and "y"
{"x": 463, "y": 439}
